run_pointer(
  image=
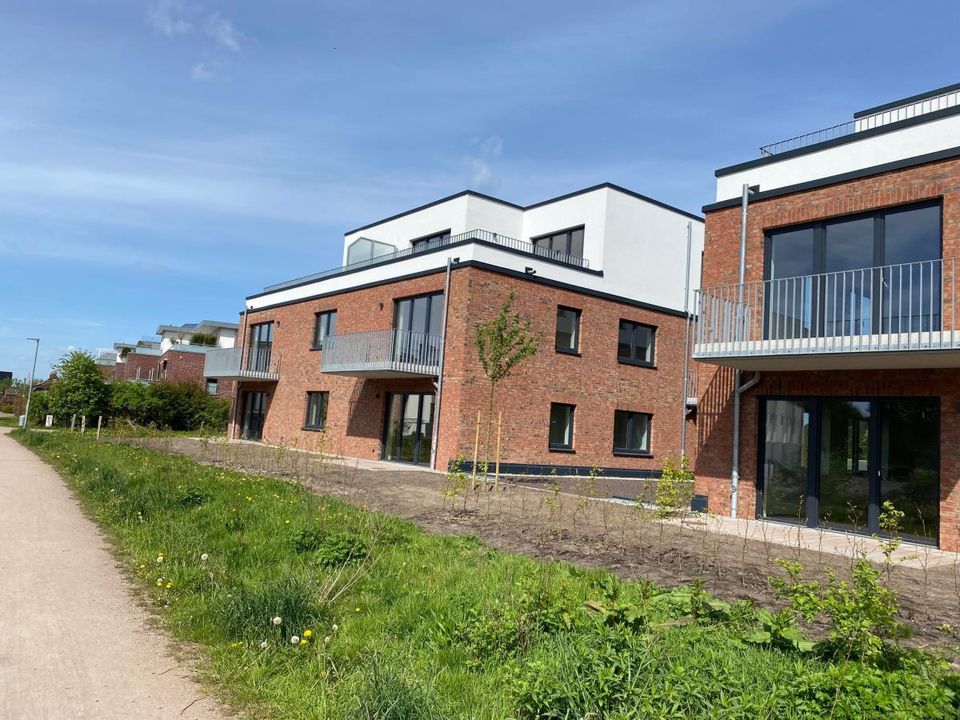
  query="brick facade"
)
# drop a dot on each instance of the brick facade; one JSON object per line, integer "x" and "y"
{"x": 593, "y": 380}
{"x": 939, "y": 180}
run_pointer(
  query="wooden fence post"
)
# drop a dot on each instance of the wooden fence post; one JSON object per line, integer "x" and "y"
{"x": 99, "y": 422}
{"x": 496, "y": 475}
{"x": 476, "y": 449}
{"x": 73, "y": 422}
{"x": 83, "y": 424}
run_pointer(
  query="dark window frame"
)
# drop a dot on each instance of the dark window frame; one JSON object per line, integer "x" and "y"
{"x": 433, "y": 296}
{"x": 216, "y": 385}
{"x": 317, "y": 319}
{"x": 425, "y": 240}
{"x": 324, "y": 396}
{"x": 652, "y": 363}
{"x": 565, "y": 447}
{"x": 569, "y": 243}
{"x": 648, "y": 452}
{"x": 578, "y": 313}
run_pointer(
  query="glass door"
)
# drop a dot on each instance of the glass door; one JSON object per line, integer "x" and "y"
{"x": 409, "y": 428}
{"x": 254, "y": 414}
{"x": 832, "y": 462}
{"x": 786, "y": 460}
{"x": 846, "y": 439}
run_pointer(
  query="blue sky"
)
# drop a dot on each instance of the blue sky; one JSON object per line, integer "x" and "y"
{"x": 160, "y": 160}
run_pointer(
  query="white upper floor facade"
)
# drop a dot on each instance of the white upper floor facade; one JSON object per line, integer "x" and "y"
{"x": 603, "y": 239}
{"x": 224, "y": 332}
{"x": 916, "y": 129}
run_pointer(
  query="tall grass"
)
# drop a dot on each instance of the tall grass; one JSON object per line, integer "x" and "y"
{"x": 306, "y": 607}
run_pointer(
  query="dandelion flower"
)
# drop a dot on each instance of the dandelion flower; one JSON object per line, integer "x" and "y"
{"x": 307, "y": 633}
{"x": 204, "y": 557}
{"x": 303, "y": 641}
{"x": 169, "y": 585}
{"x": 326, "y": 640}
{"x": 294, "y": 639}
{"x": 263, "y": 645}
{"x": 159, "y": 558}
{"x": 277, "y": 620}
{"x": 335, "y": 627}
{"x": 356, "y": 609}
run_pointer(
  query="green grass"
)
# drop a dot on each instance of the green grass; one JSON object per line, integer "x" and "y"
{"x": 433, "y": 626}
{"x": 8, "y": 422}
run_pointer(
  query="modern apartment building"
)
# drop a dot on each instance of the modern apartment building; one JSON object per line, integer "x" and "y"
{"x": 178, "y": 356}
{"x": 838, "y": 332}
{"x": 380, "y": 353}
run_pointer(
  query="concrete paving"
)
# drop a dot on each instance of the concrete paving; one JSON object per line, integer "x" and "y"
{"x": 74, "y": 643}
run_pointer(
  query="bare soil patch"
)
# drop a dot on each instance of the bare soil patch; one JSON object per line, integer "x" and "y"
{"x": 588, "y": 531}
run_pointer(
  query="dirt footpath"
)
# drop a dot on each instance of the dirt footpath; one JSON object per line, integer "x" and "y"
{"x": 594, "y": 533}
{"x": 74, "y": 643}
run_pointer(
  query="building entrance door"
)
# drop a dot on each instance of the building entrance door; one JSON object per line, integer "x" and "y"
{"x": 254, "y": 413}
{"x": 409, "y": 428}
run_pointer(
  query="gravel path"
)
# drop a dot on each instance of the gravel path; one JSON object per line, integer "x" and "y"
{"x": 74, "y": 643}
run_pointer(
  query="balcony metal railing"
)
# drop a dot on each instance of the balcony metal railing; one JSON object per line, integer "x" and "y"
{"x": 478, "y": 235}
{"x": 260, "y": 363}
{"x": 908, "y": 110}
{"x": 382, "y": 351}
{"x": 910, "y": 306}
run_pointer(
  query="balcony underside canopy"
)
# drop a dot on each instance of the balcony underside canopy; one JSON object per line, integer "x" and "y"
{"x": 374, "y": 373}
{"x": 806, "y": 361}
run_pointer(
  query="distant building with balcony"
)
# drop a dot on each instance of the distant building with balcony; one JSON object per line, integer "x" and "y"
{"x": 379, "y": 353}
{"x": 179, "y": 355}
{"x": 841, "y": 333}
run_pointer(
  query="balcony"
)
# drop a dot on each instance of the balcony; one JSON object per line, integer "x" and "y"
{"x": 891, "y": 316}
{"x": 382, "y": 354}
{"x": 478, "y": 236}
{"x": 260, "y": 363}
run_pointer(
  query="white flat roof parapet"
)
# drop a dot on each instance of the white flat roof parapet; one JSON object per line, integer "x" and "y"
{"x": 855, "y": 152}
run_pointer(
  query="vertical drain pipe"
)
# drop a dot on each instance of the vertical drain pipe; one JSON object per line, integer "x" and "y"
{"x": 686, "y": 349}
{"x": 439, "y": 383}
{"x": 738, "y": 329}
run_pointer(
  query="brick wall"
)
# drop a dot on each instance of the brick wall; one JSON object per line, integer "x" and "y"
{"x": 720, "y": 266}
{"x": 593, "y": 381}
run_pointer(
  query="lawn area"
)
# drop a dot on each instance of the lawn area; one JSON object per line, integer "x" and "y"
{"x": 303, "y": 606}
{"x": 8, "y": 422}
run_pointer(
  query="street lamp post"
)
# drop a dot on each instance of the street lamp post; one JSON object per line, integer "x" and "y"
{"x": 26, "y": 413}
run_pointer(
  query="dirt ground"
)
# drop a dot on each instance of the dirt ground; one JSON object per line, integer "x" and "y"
{"x": 590, "y": 532}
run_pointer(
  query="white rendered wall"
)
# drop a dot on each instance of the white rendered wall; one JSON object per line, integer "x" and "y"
{"x": 856, "y": 155}
{"x": 645, "y": 253}
{"x": 587, "y": 209}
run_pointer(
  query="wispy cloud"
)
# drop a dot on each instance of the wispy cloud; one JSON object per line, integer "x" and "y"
{"x": 169, "y": 17}
{"x": 488, "y": 149}
{"x": 201, "y": 71}
{"x": 223, "y": 31}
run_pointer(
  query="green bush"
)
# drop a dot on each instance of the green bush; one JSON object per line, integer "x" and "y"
{"x": 675, "y": 487}
{"x": 169, "y": 406}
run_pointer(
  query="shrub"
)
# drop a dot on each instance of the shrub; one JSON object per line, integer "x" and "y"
{"x": 675, "y": 487}
{"x": 79, "y": 388}
{"x": 173, "y": 406}
{"x": 341, "y": 548}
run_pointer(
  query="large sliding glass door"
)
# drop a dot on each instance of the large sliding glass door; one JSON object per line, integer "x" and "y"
{"x": 409, "y": 428}
{"x": 832, "y": 462}
{"x": 254, "y": 414}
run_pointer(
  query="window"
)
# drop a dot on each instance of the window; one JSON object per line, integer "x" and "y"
{"x": 631, "y": 433}
{"x": 568, "y": 242}
{"x": 568, "y": 330}
{"x": 325, "y": 324}
{"x": 261, "y": 346}
{"x": 422, "y": 314}
{"x": 316, "y": 410}
{"x": 365, "y": 249}
{"x": 422, "y": 243}
{"x": 635, "y": 345}
{"x": 212, "y": 386}
{"x": 561, "y": 426}
{"x": 824, "y": 279}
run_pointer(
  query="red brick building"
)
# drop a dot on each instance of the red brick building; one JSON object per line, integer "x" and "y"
{"x": 842, "y": 330}
{"x": 380, "y": 354}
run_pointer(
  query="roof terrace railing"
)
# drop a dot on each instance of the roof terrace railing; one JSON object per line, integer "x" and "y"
{"x": 885, "y": 116}
{"x": 484, "y": 236}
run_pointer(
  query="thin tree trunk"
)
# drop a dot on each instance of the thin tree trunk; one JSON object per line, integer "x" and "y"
{"x": 486, "y": 442}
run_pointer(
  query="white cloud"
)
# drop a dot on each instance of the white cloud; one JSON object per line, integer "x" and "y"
{"x": 482, "y": 174}
{"x": 201, "y": 71}
{"x": 222, "y": 30}
{"x": 492, "y": 146}
{"x": 169, "y": 17}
